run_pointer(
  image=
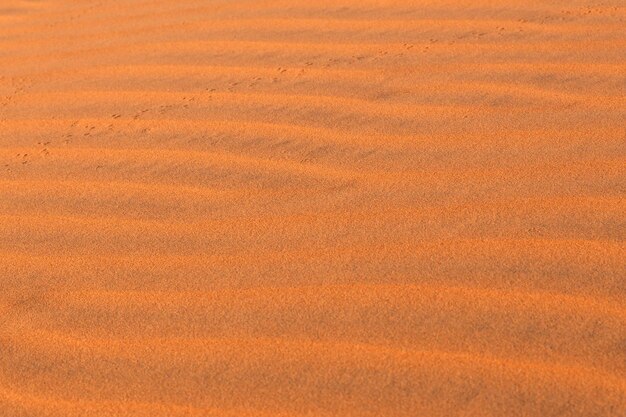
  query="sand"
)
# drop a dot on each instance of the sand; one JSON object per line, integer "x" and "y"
{"x": 312, "y": 208}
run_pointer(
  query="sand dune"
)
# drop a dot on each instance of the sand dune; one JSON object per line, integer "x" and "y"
{"x": 330, "y": 208}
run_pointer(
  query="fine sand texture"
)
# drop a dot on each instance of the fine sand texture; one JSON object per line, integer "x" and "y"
{"x": 378, "y": 208}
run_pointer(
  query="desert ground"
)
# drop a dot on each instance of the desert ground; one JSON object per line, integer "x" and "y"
{"x": 312, "y": 208}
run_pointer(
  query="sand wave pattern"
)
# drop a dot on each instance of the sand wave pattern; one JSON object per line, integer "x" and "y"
{"x": 312, "y": 208}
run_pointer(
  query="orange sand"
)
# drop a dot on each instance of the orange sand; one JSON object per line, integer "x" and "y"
{"x": 312, "y": 208}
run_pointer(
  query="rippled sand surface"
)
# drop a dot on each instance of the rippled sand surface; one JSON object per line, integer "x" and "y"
{"x": 312, "y": 208}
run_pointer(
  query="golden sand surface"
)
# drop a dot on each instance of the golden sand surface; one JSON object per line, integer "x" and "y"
{"x": 312, "y": 208}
